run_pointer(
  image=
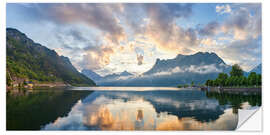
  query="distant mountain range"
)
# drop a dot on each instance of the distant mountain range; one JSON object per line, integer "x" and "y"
{"x": 27, "y": 60}
{"x": 91, "y": 74}
{"x": 183, "y": 69}
{"x": 97, "y": 78}
{"x": 257, "y": 69}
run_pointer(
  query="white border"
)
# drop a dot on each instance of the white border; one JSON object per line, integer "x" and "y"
{"x": 265, "y": 56}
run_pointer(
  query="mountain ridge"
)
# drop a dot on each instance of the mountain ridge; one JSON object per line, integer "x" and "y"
{"x": 185, "y": 60}
{"x": 27, "y": 60}
{"x": 257, "y": 69}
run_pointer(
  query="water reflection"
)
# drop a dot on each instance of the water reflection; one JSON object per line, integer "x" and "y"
{"x": 30, "y": 109}
{"x": 236, "y": 100}
{"x": 147, "y": 110}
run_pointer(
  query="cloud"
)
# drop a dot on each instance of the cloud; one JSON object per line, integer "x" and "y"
{"x": 210, "y": 29}
{"x": 209, "y": 41}
{"x": 205, "y": 69}
{"x": 247, "y": 53}
{"x": 98, "y": 16}
{"x": 163, "y": 30}
{"x": 77, "y": 35}
{"x": 97, "y": 57}
{"x": 202, "y": 69}
{"x": 241, "y": 23}
{"x": 106, "y": 31}
{"x": 244, "y": 19}
{"x": 223, "y": 9}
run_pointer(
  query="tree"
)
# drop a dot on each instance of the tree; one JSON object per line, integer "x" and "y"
{"x": 252, "y": 79}
{"x": 192, "y": 83}
{"x": 207, "y": 83}
{"x": 222, "y": 77}
{"x": 259, "y": 80}
{"x": 227, "y": 82}
{"x": 210, "y": 83}
{"x": 216, "y": 82}
{"x": 236, "y": 70}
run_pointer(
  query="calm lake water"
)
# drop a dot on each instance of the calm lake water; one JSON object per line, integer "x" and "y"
{"x": 125, "y": 108}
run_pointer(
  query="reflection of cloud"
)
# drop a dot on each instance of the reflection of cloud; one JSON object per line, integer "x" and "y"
{"x": 111, "y": 113}
{"x": 225, "y": 121}
{"x": 140, "y": 59}
{"x": 139, "y": 115}
{"x": 103, "y": 118}
{"x": 71, "y": 122}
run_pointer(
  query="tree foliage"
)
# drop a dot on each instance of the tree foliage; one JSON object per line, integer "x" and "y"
{"x": 236, "y": 70}
{"x": 236, "y": 78}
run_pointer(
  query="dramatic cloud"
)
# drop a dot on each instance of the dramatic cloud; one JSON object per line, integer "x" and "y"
{"x": 77, "y": 35}
{"x": 247, "y": 53}
{"x": 133, "y": 36}
{"x": 98, "y": 16}
{"x": 223, "y": 9}
{"x": 243, "y": 24}
{"x": 163, "y": 30}
{"x": 209, "y": 41}
{"x": 97, "y": 57}
{"x": 210, "y": 29}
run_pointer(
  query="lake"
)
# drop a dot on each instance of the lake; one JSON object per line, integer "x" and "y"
{"x": 125, "y": 108}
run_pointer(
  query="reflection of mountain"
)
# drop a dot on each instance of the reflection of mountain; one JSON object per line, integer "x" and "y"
{"x": 181, "y": 70}
{"x": 146, "y": 110}
{"x": 179, "y": 103}
{"x": 28, "y": 111}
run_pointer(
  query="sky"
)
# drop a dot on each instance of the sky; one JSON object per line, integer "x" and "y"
{"x": 111, "y": 38}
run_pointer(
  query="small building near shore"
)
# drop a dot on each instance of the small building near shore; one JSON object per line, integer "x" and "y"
{"x": 29, "y": 84}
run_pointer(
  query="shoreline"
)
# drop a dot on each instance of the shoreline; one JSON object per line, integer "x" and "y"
{"x": 232, "y": 89}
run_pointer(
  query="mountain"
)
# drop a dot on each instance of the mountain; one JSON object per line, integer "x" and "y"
{"x": 116, "y": 76}
{"x": 91, "y": 74}
{"x": 125, "y": 73}
{"x": 27, "y": 60}
{"x": 257, "y": 69}
{"x": 185, "y": 61}
{"x": 183, "y": 69}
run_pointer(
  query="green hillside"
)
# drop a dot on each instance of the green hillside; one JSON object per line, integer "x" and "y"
{"x": 27, "y": 60}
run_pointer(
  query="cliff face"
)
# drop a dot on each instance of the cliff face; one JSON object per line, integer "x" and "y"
{"x": 27, "y": 60}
